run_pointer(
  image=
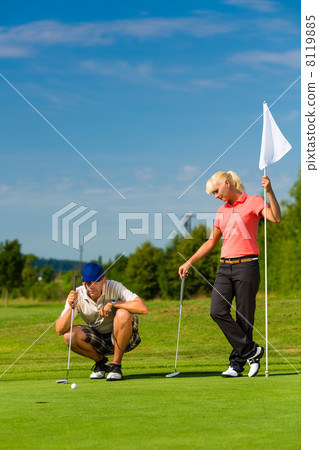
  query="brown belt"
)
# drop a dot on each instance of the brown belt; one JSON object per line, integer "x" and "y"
{"x": 237, "y": 261}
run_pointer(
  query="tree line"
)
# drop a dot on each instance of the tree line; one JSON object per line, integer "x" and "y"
{"x": 152, "y": 272}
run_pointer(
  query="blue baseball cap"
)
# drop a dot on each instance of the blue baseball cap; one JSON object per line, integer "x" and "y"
{"x": 92, "y": 272}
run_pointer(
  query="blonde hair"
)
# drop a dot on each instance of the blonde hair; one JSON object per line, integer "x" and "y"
{"x": 221, "y": 177}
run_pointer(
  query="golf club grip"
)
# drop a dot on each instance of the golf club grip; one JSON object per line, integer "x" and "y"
{"x": 74, "y": 287}
{"x": 182, "y": 289}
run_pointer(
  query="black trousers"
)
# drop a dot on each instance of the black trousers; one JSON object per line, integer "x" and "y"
{"x": 242, "y": 282}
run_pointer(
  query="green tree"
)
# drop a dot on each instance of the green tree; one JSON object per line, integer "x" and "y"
{"x": 65, "y": 280}
{"x": 115, "y": 270}
{"x": 29, "y": 272}
{"x": 48, "y": 274}
{"x": 283, "y": 247}
{"x": 11, "y": 266}
{"x": 142, "y": 271}
{"x": 290, "y": 267}
{"x": 201, "y": 278}
{"x": 29, "y": 275}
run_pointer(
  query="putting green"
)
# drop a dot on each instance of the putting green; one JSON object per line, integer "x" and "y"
{"x": 197, "y": 409}
{"x": 193, "y": 410}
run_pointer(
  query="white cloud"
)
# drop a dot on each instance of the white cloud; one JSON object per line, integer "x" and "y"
{"x": 140, "y": 73}
{"x": 208, "y": 83}
{"x": 50, "y": 32}
{"x": 292, "y": 115}
{"x": 25, "y": 40}
{"x": 275, "y": 27}
{"x": 152, "y": 27}
{"x": 259, "y": 58}
{"x": 257, "y": 5}
{"x": 5, "y": 188}
{"x": 187, "y": 173}
{"x": 144, "y": 174}
{"x": 11, "y": 51}
{"x": 95, "y": 191}
{"x": 120, "y": 69}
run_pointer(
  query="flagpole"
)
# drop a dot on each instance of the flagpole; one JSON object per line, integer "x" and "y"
{"x": 273, "y": 147}
{"x": 266, "y": 281}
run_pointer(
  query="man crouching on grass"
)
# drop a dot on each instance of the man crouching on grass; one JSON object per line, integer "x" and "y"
{"x": 110, "y": 313}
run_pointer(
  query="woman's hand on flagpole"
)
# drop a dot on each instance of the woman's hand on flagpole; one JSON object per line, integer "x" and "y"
{"x": 266, "y": 184}
{"x": 274, "y": 213}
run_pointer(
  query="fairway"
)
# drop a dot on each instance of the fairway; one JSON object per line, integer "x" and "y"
{"x": 197, "y": 409}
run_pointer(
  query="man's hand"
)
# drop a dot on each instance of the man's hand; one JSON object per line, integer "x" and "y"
{"x": 73, "y": 298}
{"x": 104, "y": 311}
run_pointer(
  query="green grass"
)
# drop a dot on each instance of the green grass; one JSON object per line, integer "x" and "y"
{"x": 197, "y": 409}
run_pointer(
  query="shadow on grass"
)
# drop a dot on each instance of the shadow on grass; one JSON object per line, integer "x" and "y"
{"x": 283, "y": 374}
{"x": 180, "y": 375}
{"x": 196, "y": 375}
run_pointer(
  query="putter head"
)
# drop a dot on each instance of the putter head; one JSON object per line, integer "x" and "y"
{"x": 62, "y": 381}
{"x": 171, "y": 375}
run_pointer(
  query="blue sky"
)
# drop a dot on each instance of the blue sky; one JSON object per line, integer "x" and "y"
{"x": 151, "y": 94}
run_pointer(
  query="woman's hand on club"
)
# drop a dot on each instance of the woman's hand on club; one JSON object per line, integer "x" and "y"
{"x": 183, "y": 270}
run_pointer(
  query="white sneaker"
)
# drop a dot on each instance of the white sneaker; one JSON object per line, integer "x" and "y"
{"x": 99, "y": 369}
{"x": 231, "y": 373}
{"x": 115, "y": 373}
{"x": 254, "y": 362}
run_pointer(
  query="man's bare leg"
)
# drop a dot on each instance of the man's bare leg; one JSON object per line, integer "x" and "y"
{"x": 122, "y": 331}
{"x": 80, "y": 346}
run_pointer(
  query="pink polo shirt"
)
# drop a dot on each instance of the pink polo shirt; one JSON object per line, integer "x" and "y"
{"x": 239, "y": 225}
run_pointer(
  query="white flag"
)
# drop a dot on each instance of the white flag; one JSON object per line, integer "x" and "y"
{"x": 273, "y": 144}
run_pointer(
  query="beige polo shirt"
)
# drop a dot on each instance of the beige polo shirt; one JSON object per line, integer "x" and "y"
{"x": 89, "y": 310}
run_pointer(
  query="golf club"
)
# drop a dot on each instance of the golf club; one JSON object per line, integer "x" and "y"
{"x": 170, "y": 375}
{"x": 65, "y": 381}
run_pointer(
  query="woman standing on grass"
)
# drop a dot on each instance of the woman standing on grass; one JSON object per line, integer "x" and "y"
{"x": 238, "y": 275}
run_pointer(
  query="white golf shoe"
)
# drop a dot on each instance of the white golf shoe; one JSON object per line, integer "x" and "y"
{"x": 231, "y": 373}
{"x": 254, "y": 362}
{"x": 100, "y": 368}
{"x": 115, "y": 373}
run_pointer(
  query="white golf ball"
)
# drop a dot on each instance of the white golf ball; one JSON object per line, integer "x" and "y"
{"x": 74, "y": 386}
